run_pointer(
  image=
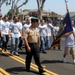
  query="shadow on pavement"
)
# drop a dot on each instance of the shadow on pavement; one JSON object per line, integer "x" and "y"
{"x": 16, "y": 70}
{"x": 3, "y": 55}
{"x": 51, "y": 61}
{"x": 22, "y": 53}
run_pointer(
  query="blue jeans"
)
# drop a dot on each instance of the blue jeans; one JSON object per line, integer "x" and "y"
{"x": 48, "y": 41}
{"x": 20, "y": 42}
{"x": 14, "y": 44}
{"x": 5, "y": 40}
{"x": 43, "y": 42}
{"x": 1, "y": 41}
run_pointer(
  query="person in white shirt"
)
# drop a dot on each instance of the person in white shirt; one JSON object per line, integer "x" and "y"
{"x": 43, "y": 33}
{"x": 27, "y": 24}
{"x": 5, "y": 33}
{"x": 1, "y": 23}
{"x": 20, "y": 39}
{"x": 16, "y": 32}
{"x": 70, "y": 44}
{"x": 56, "y": 29}
{"x": 48, "y": 37}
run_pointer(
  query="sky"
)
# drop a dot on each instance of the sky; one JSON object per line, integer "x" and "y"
{"x": 57, "y": 6}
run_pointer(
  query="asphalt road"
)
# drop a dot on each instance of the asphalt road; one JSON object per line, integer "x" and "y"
{"x": 52, "y": 63}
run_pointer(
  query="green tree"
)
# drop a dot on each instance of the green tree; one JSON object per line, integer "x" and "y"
{"x": 15, "y": 7}
{"x": 9, "y": 14}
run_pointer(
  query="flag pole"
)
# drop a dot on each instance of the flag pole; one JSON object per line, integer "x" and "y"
{"x": 66, "y": 5}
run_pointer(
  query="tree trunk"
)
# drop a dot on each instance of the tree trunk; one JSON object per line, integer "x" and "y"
{"x": 40, "y": 4}
{"x": 15, "y": 7}
{"x": 40, "y": 13}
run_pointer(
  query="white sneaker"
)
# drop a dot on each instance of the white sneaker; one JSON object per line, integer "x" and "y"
{"x": 3, "y": 50}
{"x": 64, "y": 61}
{"x": 12, "y": 53}
{"x": 16, "y": 53}
{"x": 74, "y": 61}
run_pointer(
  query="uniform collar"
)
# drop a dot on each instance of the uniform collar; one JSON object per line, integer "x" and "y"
{"x": 32, "y": 28}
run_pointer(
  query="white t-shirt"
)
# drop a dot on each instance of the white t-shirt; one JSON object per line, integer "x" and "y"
{"x": 5, "y": 28}
{"x": 15, "y": 28}
{"x": 1, "y": 23}
{"x": 26, "y": 26}
{"x": 74, "y": 30}
{"x": 74, "y": 34}
{"x": 20, "y": 26}
{"x": 69, "y": 41}
{"x": 43, "y": 29}
{"x": 56, "y": 30}
{"x": 49, "y": 27}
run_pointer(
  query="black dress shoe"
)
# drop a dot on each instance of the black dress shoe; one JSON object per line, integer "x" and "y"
{"x": 20, "y": 48}
{"x": 41, "y": 71}
{"x": 28, "y": 70}
{"x": 44, "y": 52}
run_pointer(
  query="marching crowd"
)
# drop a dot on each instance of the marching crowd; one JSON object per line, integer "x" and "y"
{"x": 31, "y": 32}
{"x": 13, "y": 29}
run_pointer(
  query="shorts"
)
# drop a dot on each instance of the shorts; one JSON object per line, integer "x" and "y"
{"x": 69, "y": 49}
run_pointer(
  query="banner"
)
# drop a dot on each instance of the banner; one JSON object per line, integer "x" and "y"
{"x": 66, "y": 28}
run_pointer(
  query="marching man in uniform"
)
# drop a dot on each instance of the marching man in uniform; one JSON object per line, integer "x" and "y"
{"x": 32, "y": 42}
